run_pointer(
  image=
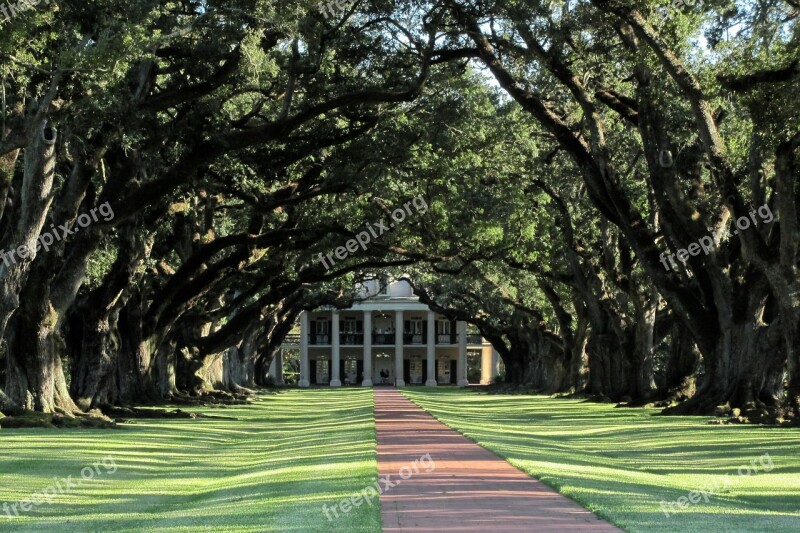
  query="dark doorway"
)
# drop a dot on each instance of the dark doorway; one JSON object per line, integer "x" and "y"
{"x": 453, "y": 370}
{"x": 313, "y": 371}
{"x": 359, "y": 372}
{"x": 407, "y": 371}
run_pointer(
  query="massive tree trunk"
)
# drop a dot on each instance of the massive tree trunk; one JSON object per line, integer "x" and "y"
{"x": 683, "y": 363}
{"x": 230, "y": 370}
{"x": 138, "y": 348}
{"x": 610, "y": 346}
{"x": 34, "y": 379}
{"x": 240, "y": 370}
{"x": 35, "y": 366}
{"x": 734, "y": 367}
{"x": 527, "y": 356}
{"x": 164, "y": 369}
{"x": 579, "y": 361}
{"x": 609, "y": 365}
{"x": 788, "y": 292}
{"x": 553, "y": 372}
{"x": 94, "y": 368}
{"x": 644, "y": 350}
{"x": 35, "y": 373}
{"x": 94, "y": 363}
{"x": 34, "y": 203}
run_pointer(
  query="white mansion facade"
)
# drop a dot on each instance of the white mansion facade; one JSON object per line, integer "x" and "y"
{"x": 388, "y": 337}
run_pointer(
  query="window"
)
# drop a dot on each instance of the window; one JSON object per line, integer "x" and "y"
{"x": 443, "y": 332}
{"x": 352, "y": 326}
{"x": 320, "y": 329}
{"x": 414, "y": 331}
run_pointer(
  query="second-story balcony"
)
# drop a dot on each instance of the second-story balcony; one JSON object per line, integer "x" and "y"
{"x": 380, "y": 339}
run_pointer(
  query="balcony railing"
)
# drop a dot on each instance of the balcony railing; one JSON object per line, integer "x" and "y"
{"x": 413, "y": 338}
{"x": 351, "y": 339}
{"x": 319, "y": 338}
{"x": 379, "y": 339}
{"x": 383, "y": 338}
{"x": 446, "y": 338}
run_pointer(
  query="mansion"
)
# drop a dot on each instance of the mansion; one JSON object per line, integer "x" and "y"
{"x": 388, "y": 337}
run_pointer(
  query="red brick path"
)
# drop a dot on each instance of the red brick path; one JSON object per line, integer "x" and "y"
{"x": 469, "y": 490}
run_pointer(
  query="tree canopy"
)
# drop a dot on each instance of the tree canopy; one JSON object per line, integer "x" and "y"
{"x": 587, "y": 169}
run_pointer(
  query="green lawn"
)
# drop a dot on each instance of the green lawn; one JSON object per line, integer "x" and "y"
{"x": 272, "y": 470}
{"x": 621, "y": 463}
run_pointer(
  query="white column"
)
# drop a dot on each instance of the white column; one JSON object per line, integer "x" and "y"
{"x": 486, "y": 365}
{"x": 431, "y": 346}
{"x": 367, "y": 349}
{"x": 335, "y": 356}
{"x": 461, "y": 329}
{"x": 303, "y": 381}
{"x": 398, "y": 349}
{"x": 278, "y": 362}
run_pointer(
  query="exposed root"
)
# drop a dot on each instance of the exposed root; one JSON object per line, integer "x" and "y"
{"x": 599, "y": 398}
{"x": 509, "y": 388}
{"x": 30, "y": 419}
{"x": 123, "y": 413}
{"x": 8, "y": 407}
{"x": 211, "y": 397}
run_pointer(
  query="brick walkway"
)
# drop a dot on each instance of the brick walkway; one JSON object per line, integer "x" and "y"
{"x": 469, "y": 490}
